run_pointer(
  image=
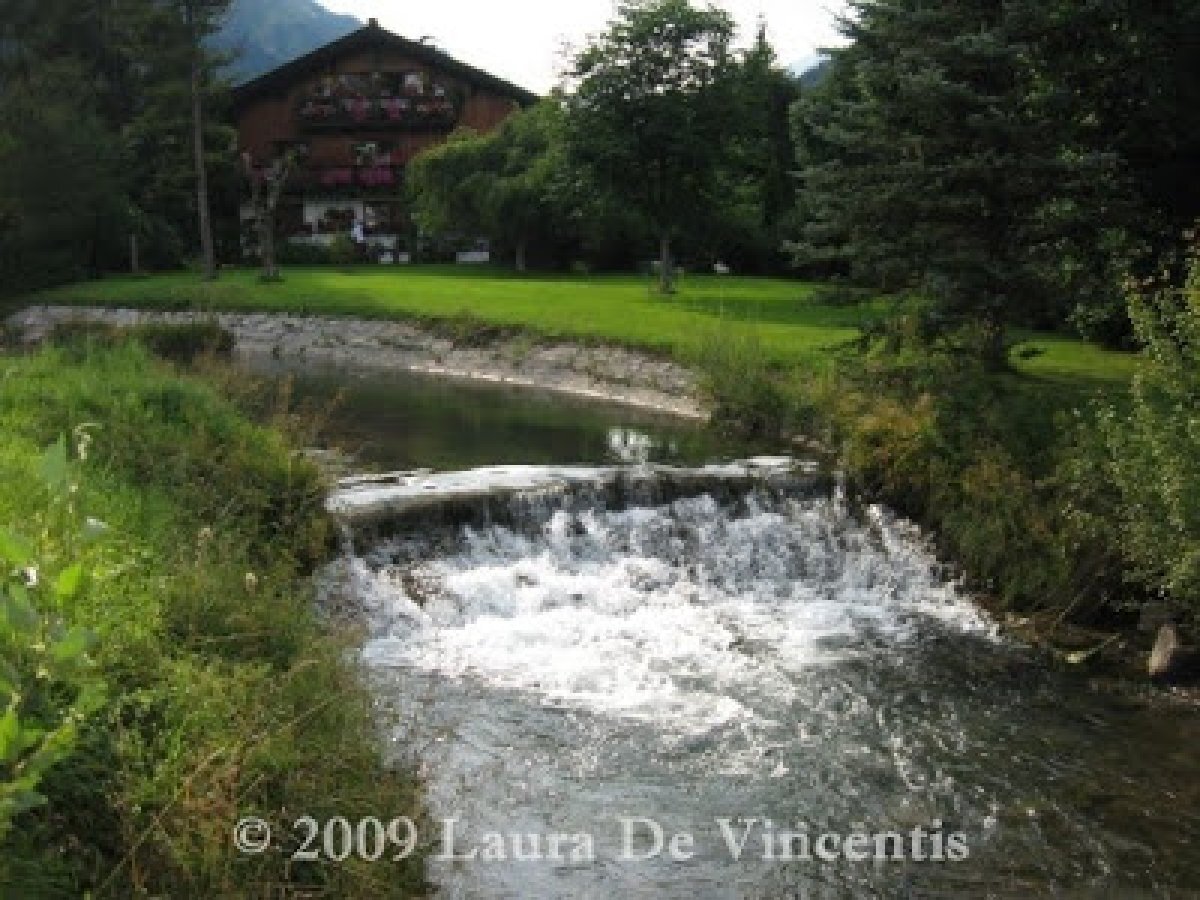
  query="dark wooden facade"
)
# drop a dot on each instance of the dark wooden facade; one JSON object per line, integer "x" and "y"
{"x": 360, "y": 109}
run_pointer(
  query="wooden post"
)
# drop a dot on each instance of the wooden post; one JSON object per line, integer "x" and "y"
{"x": 666, "y": 271}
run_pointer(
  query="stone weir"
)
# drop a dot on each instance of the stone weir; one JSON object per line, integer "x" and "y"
{"x": 381, "y": 506}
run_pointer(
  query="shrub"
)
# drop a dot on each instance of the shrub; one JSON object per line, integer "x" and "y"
{"x": 182, "y": 343}
{"x": 293, "y": 253}
{"x": 888, "y": 449}
{"x": 1005, "y": 530}
{"x": 745, "y": 394}
{"x": 1150, "y": 453}
{"x": 343, "y": 251}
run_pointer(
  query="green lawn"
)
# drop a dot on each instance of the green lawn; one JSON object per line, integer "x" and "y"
{"x": 783, "y": 315}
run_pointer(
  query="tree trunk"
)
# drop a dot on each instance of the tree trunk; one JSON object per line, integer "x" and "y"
{"x": 266, "y": 243}
{"x": 666, "y": 267}
{"x": 266, "y": 188}
{"x": 995, "y": 345}
{"x": 522, "y": 246}
{"x": 207, "y": 254}
{"x": 135, "y": 265}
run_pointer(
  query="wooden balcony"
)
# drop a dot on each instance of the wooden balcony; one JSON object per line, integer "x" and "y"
{"x": 436, "y": 114}
{"x": 347, "y": 181}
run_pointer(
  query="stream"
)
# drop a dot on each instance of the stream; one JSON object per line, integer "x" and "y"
{"x": 770, "y": 695}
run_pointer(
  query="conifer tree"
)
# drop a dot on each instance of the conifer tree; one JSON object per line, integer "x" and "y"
{"x": 922, "y": 166}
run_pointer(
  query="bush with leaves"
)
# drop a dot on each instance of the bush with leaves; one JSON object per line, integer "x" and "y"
{"x": 747, "y": 395}
{"x": 1150, "y": 455}
{"x": 48, "y": 681}
{"x": 1135, "y": 471}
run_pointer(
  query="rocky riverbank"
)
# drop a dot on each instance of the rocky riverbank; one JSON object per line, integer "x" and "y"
{"x": 607, "y": 373}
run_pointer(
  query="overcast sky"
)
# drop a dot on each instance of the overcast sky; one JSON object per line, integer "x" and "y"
{"x": 523, "y": 40}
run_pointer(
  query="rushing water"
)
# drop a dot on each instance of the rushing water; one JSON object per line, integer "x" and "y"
{"x": 726, "y": 673}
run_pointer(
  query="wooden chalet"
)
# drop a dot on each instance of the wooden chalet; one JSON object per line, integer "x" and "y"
{"x": 358, "y": 110}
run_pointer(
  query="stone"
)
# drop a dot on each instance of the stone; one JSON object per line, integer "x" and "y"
{"x": 1170, "y": 660}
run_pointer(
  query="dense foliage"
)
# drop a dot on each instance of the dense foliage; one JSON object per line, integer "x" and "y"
{"x": 1136, "y": 475}
{"x": 511, "y": 185}
{"x": 669, "y": 144}
{"x": 96, "y": 139}
{"x": 647, "y": 116}
{"x": 1007, "y": 161}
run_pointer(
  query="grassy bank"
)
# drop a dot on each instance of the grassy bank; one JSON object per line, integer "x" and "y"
{"x": 791, "y": 322}
{"x": 164, "y": 670}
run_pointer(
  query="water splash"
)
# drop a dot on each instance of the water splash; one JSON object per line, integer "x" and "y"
{"x": 687, "y": 616}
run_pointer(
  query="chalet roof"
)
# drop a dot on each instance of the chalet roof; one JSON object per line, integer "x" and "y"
{"x": 371, "y": 36}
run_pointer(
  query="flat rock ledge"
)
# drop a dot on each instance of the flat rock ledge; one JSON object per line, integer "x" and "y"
{"x": 612, "y": 374}
{"x": 379, "y": 505}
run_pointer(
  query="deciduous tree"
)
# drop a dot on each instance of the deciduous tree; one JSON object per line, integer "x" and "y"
{"x": 267, "y": 183}
{"x": 649, "y": 112}
{"x": 505, "y": 185}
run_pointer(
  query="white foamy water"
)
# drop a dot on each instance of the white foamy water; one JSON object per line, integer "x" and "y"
{"x": 778, "y": 660}
{"x": 686, "y": 616}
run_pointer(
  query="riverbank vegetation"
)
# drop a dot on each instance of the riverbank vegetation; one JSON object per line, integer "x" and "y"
{"x": 1065, "y": 504}
{"x": 995, "y": 462}
{"x": 164, "y": 672}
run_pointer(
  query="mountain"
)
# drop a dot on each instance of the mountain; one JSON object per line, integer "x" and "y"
{"x": 263, "y": 34}
{"x": 816, "y": 74}
{"x": 812, "y": 69}
{"x": 807, "y": 62}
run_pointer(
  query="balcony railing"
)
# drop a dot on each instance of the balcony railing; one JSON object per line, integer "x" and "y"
{"x": 349, "y": 180}
{"x": 416, "y": 114}
{"x": 361, "y": 176}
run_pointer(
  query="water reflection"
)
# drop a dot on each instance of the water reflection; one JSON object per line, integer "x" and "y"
{"x": 636, "y": 448}
{"x": 399, "y": 420}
